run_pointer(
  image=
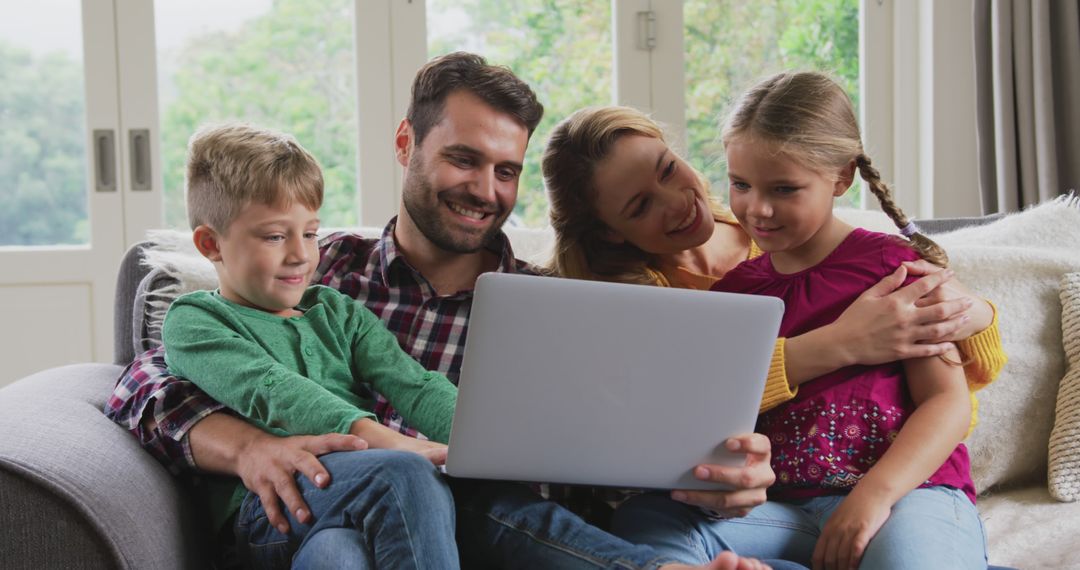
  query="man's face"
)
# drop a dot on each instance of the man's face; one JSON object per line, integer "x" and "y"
{"x": 461, "y": 182}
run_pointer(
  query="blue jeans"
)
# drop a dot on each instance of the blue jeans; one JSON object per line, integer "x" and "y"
{"x": 935, "y": 527}
{"x": 505, "y": 524}
{"x": 382, "y": 509}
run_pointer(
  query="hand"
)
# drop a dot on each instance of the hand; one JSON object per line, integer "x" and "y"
{"x": 848, "y": 531}
{"x": 887, "y": 324}
{"x": 267, "y": 463}
{"x": 727, "y": 560}
{"x": 749, "y": 481}
{"x": 430, "y": 450}
{"x": 980, "y": 312}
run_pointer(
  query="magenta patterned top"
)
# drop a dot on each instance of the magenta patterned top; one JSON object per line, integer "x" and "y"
{"x": 839, "y": 424}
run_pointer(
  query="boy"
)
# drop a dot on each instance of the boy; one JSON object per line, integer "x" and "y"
{"x": 301, "y": 359}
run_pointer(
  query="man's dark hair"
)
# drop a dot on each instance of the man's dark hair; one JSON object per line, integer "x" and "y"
{"x": 495, "y": 85}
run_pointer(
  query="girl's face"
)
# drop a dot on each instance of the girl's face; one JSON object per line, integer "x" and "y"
{"x": 783, "y": 205}
{"x": 651, "y": 198}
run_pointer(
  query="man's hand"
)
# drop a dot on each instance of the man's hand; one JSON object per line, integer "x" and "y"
{"x": 749, "y": 481}
{"x": 848, "y": 531}
{"x": 267, "y": 464}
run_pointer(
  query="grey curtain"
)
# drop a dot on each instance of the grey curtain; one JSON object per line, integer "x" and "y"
{"x": 1027, "y": 73}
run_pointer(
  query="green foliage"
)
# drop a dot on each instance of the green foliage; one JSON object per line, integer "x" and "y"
{"x": 289, "y": 69}
{"x": 730, "y": 45}
{"x": 42, "y": 150}
{"x": 562, "y": 48}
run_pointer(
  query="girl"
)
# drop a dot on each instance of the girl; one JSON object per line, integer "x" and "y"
{"x": 868, "y": 458}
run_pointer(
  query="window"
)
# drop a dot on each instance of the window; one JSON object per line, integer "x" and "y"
{"x": 287, "y": 65}
{"x": 729, "y": 45}
{"x": 561, "y": 48}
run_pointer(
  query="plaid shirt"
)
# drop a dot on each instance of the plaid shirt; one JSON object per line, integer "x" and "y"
{"x": 430, "y": 327}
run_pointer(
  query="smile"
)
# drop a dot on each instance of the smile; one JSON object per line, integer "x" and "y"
{"x": 467, "y": 212}
{"x": 690, "y": 221}
{"x": 293, "y": 279}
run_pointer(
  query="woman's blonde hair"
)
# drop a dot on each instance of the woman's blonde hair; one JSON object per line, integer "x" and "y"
{"x": 232, "y": 165}
{"x": 808, "y": 117}
{"x": 575, "y": 148}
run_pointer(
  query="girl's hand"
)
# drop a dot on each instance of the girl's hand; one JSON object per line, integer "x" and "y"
{"x": 887, "y": 323}
{"x": 848, "y": 531}
{"x": 980, "y": 313}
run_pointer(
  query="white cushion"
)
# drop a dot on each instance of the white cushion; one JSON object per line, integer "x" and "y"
{"x": 1064, "y": 468}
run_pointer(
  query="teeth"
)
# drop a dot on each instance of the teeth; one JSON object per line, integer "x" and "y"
{"x": 474, "y": 214}
{"x": 689, "y": 218}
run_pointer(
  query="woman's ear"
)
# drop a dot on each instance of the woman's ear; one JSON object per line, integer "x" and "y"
{"x": 207, "y": 242}
{"x": 611, "y": 236}
{"x": 844, "y": 180}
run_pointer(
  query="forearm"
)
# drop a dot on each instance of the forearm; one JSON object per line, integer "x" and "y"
{"x": 815, "y": 353}
{"x": 377, "y": 435}
{"x": 218, "y": 441}
{"x": 926, "y": 440}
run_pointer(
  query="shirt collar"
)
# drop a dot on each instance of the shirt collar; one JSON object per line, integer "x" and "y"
{"x": 389, "y": 253}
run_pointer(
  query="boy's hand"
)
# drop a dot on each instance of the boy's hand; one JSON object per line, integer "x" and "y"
{"x": 267, "y": 465}
{"x": 433, "y": 452}
{"x": 748, "y": 482}
{"x": 848, "y": 531}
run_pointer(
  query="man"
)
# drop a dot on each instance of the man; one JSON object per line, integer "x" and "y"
{"x": 462, "y": 144}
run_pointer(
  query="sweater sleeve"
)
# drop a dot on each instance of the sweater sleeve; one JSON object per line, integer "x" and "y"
{"x": 425, "y": 399}
{"x": 777, "y": 388}
{"x": 985, "y": 354}
{"x": 205, "y": 346}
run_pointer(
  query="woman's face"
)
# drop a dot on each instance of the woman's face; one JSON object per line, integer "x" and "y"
{"x": 650, "y": 197}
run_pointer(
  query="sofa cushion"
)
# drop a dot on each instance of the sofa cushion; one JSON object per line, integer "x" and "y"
{"x": 1064, "y": 467}
{"x": 1017, "y": 262}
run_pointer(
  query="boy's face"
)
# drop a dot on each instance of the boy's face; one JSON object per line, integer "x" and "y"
{"x": 267, "y": 257}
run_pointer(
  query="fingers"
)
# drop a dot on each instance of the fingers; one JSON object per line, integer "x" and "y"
{"x": 331, "y": 442}
{"x": 436, "y": 455}
{"x": 927, "y": 283}
{"x": 752, "y": 444}
{"x": 920, "y": 267}
{"x": 889, "y": 284}
{"x": 272, "y": 508}
{"x": 289, "y": 493}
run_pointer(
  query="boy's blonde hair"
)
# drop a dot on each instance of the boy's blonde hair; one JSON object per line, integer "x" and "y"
{"x": 808, "y": 117}
{"x": 574, "y": 149}
{"x": 232, "y": 165}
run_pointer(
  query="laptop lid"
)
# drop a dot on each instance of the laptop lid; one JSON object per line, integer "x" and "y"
{"x": 569, "y": 381}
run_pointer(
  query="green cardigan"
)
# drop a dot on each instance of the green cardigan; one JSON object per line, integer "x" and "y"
{"x": 310, "y": 374}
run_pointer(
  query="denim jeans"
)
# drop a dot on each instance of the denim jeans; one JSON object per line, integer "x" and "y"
{"x": 506, "y": 525}
{"x": 935, "y": 527}
{"x": 382, "y": 509}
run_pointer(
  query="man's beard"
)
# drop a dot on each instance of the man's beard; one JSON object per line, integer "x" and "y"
{"x": 424, "y": 206}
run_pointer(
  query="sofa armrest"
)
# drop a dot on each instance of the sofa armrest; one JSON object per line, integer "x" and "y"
{"x": 121, "y": 504}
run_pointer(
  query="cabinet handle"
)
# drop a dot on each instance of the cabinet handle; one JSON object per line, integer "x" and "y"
{"x": 104, "y": 160}
{"x": 139, "y": 143}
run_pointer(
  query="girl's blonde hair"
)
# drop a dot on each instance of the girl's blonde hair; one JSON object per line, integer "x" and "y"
{"x": 576, "y": 146}
{"x": 808, "y": 117}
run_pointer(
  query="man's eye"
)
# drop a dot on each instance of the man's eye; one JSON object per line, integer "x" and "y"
{"x": 506, "y": 174}
{"x": 311, "y": 235}
{"x": 463, "y": 161}
{"x": 275, "y": 238}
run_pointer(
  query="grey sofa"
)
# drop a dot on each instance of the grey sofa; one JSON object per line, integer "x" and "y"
{"x": 78, "y": 492}
{"x": 76, "y": 489}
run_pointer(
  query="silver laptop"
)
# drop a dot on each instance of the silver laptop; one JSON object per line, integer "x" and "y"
{"x": 605, "y": 384}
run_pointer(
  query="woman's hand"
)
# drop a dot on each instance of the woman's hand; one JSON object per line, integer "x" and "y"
{"x": 888, "y": 322}
{"x": 748, "y": 482}
{"x": 848, "y": 531}
{"x": 980, "y": 313}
